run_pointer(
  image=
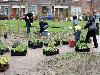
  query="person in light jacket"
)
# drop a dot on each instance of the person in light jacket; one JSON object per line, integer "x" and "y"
{"x": 77, "y": 28}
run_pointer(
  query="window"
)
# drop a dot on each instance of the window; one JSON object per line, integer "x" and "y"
{"x": 5, "y": 0}
{"x": 15, "y": 0}
{"x": 76, "y": 0}
{"x": 58, "y": 0}
{"x": 64, "y": 0}
{"x": 88, "y": 0}
{"x": 34, "y": 9}
{"x": 8, "y": 0}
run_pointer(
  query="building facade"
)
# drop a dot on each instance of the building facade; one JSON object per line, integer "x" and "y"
{"x": 12, "y": 7}
{"x": 60, "y": 8}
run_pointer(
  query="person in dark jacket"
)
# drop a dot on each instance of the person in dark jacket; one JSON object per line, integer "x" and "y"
{"x": 29, "y": 21}
{"x": 91, "y": 31}
{"x": 43, "y": 25}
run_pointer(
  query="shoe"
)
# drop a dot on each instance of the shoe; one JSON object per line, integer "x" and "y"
{"x": 95, "y": 47}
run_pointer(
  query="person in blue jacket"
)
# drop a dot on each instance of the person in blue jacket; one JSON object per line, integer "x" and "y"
{"x": 43, "y": 25}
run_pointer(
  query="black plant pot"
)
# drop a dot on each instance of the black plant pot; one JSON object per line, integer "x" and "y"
{"x": 50, "y": 53}
{"x": 4, "y": 67}
{"x": 1, "y": 52}
{"x": 56, "y": 52}
{"x": 29, "y": 44}
{"x": 82, "y": 50}
{"x": 65, "y": 42}
{"x": 5, "y": 35}
{"x": 47, "y": 53}
{"x": 40, "y": 45}
{"x": 7, "y": 50}
{"x": 33, "y": 46}
{"x": 46, "y": 44}
{"x": 18, "y": 53}
{"x": 57, "y": 43}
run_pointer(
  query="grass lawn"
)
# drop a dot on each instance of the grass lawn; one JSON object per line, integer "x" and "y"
{"x": 60, "y": 26}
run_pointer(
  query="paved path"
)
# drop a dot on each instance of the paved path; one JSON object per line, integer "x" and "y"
{"x": 24, "y": 65}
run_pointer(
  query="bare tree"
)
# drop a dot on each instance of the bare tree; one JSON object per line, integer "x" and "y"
{"x": 92, "y": 6}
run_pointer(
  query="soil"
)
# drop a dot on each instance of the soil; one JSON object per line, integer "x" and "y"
{"x": 67, "y": 62}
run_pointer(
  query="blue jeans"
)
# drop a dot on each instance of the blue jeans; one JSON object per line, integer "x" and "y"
{"x": 77, "y": 35}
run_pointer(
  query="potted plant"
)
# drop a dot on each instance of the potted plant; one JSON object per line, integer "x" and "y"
{"x": 39, "y": 44}
{"x": 29, "y": 43}
{"x": 19, "y": 50}
{"x": 36, "y": 43}
{"x": 33, "y": 44}
{"x": 4, "y": 63}
{"x": 15, "y": 44}
{"x": 81, "y": 47}
{"x": 3, "y": 48}
{"x": 64, "y": 41}
{"x": 46, "y": 42}
{"x": 48, "y": 51}
{"x": 5, "y": 35}
{"x": 57, "y": 41}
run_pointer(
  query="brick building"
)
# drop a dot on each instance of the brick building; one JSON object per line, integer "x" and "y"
{"x": 61, "y": 8}
{"x": 12, "y": 7}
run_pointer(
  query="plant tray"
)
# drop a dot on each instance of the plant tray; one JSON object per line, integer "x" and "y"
{"x": 40, "y": 45}
{"x": 46, "y": 44}
{"x": 49, "y": 53}
{"x": 4, "y": 68}
{"x": 18, "y": 53}
{"x": 82, "y": 50}
{"x": 1, "y": 52}
{"x": 65, "y": 42}
{"x": 7, "y": 50}
{"x": 30, "y": 45}
{"x": 57, "y": 43}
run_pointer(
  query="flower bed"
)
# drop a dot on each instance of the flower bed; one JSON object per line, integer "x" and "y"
{"x": 4, "y": 63}
{"x": 49, "y": 51}
{"x": 19, "y": 50}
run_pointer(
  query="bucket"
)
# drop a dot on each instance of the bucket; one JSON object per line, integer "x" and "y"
{"x": 71, "y": 42}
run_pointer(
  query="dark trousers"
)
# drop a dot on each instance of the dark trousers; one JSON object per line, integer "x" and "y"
{"x": 91, "y": 33}
{"x": 97, "y": 31}
{"x": 28, "y": 27}
{"x": 41, "y": 30}
{"x": 77, "y": 35}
